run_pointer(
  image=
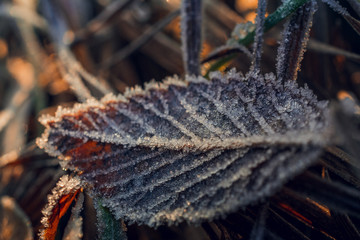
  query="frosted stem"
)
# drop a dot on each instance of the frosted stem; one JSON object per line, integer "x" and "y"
{"x": 355, "y": 24}
{"x": 294, "y": 41}
{"x": 191, "y": 11}
{"x": 260, "y": 20}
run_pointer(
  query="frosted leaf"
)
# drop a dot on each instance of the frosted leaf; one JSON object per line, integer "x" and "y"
{"x": 73, "y": 230}
{"x": 59, "y": 201}
{"x": 191, "y": 22}
{"x": 294, "y": 41}
{"x": 189, "y": 150}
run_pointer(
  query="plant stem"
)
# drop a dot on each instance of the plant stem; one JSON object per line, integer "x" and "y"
{"x": 282, "y": 12}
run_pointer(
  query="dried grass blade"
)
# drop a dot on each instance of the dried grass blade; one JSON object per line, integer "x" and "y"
{"x": 335, "y": 195}
{"x": 317, "y": 46}
{"x": 140, "y": 41}
{"x": 227, "y": 50}
{"x": 107, "y": 15}
{"x": 71, "y": 69}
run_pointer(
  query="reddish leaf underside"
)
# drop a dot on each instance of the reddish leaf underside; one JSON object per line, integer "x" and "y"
{"x": 58, "y": 212}
{"x": 65, "y": 193}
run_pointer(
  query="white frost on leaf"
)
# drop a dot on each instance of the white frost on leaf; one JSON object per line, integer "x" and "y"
{"x": 190, "y": 150}
{"x": 73, "y": 230}
{"x": 64, "y": 186}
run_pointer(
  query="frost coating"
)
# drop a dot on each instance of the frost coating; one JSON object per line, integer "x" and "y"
{"x": 355, "y": 24}
{"x": 337, "y": 7}
{"x": 294, "y": 41}
{"x": 259, "y": 32}
{"x": 191, "y": 21}
{"x": 73, "y": 230}
{"x": 108, "y": 227}
{"x": 190, "y": 150}
{"x": 66, "y": 185}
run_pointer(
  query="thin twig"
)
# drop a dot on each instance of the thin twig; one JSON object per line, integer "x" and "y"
{"x": 134, "y": 45}
{"x": 101, "y": 20}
